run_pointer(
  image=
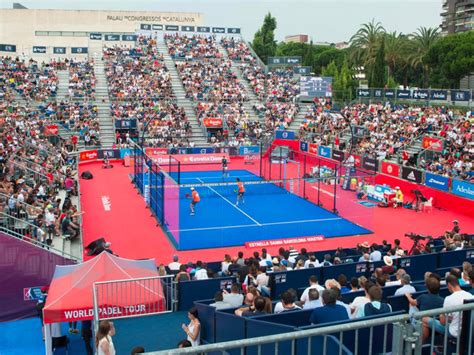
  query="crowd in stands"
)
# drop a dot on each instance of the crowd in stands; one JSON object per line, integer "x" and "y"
{"x": 192, "y": 47}
{"x": 33, "y": 169}
{"x": 251, "y": 295}
{"x": 237, "y": 50}
{"x": 31, "y": 80}
{"x": 137, "y": 73}
{"x": 81, "y": 79}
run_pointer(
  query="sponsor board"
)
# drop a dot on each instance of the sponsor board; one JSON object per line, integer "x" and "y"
{"x": 201, "y": 158}
{"x": 33, "y": 293}
{"x": 52, "y": 130}
{"x": 151, "y": 152}
{"x": 313, "y": 148}
{"x": 357, "y": 161}
{"x": 88, "y": 155}
{"x": 304, "y": 146}
{"x": 437, "y": 181}
{"x": 338, "y": 155}
{"x": 413, "y": 175}
{"x": 463, "y": 189}
{"x": 390, "y": 169}
{"x": 203, "y": 150}
{"x": 284, "y": 135}
{"x": 287, "y": 241}
{"x": 249, "y": 150}
{"x": 324, "y": 151}
{"x": 370, "y": 164}
{"x": 432, "y": 143}
{"x": 109, "y": 153}
{"x": 212, "y": 122}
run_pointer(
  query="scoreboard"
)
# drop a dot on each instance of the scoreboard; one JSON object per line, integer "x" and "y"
{"x": 316, "y": 86}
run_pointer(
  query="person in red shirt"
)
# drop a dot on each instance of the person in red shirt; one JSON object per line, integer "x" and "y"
{"x": 195, "y": 199}
{"x": 240, "y": 192}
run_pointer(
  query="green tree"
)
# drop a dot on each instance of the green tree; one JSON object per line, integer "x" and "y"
{"x": 377, "y": 79}
{"x": 330, "y": 70}
{"x": 421, "y": 43}
{"x": 264, "y": 42}
{"x": 364, "y": 43}
{"x": 396, "y": 47}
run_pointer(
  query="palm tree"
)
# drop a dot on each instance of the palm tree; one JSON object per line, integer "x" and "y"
{"x": 396, "y": 46}
{"x": 365, "y": 41}
{"x": 421, "y": 43}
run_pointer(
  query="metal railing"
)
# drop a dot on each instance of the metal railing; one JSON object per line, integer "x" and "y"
{"x": 134, "y": 297}
{"x": 405, "y": 338}
{"x": 25, "y": 231}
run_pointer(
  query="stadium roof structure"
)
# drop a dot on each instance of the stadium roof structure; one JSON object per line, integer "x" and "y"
{"x": 71, "y": 296}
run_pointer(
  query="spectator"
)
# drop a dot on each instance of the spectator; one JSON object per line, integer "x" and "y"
{"x": 355, "y": 284}
{"x": 138, "y": 350}
{"x": 405, "y": 280}
{"x": 430, "y": 300}
{"x": 234, "y": 298}
{"x": 193, "y": 329}
{"x": 184, "y": 344}
{"x": 313, "y": 284}
{"x": 375, "y": 254}
{"x": 330, "y": 312}
{"x": 219, "y": 301}
{"x": 287, "y": 302}
{"x": 375, "y": 306}
{"x": 103, "y": 338}
{"x": 360, "y": 301}
{"x": 342, "y": 279}
{"x": 456, "y": 298}
{"x": 256, "y": 309}
{"x": 174, "y": 266}
{"x": 311, "y": 262}
{"x": 313, "y": 299}
{"x": 471, "y": 277}
{"x": 201, "y": 271}
{"x": 183, "y": 274}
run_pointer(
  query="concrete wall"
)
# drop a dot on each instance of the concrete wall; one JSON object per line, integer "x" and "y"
{"x": 19, "y": 26}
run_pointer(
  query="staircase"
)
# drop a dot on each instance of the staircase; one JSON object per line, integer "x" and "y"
{"x": 253, "y": 100}
{"x": 106, "y": 123}
{"x": 63, "y": 85}
{"x": 198, "y": 136}
{"x": 300, "y": 117}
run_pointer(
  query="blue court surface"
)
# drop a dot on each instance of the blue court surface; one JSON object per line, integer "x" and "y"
{"x": 268, "y": 212}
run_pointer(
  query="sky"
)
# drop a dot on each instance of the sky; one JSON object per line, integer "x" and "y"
{"x": 323, "y": 20}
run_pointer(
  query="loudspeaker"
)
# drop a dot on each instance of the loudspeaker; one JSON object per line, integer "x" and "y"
{"x": 87, "y": 175}
{"x": 95, "y": 246}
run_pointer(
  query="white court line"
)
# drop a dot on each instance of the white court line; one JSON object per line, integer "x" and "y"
{"x": 324, "y": 192}
{"x": 230, "y": 203}
{"x": 261, "y": 225}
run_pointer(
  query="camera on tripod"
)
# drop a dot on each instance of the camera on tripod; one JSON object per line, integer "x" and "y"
{"x": 415, "y": 237}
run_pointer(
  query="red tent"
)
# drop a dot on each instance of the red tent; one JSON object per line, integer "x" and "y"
{"x": 71, "y": 295}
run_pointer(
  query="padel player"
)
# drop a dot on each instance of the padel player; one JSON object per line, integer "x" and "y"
{"x": 240, "y": 192}
{"x": 194, "y": 200}
{"x": 225, "y": 172}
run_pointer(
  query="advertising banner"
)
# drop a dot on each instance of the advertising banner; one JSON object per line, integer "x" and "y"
{"x": 7, "y": 48}
{"x": 389, "y": 93}
{"x": 201, "y": 158}
{"x": 403, "y": 94}
{"x": 32, "y": 293}
{"x": 370, "y": 164}
{"x": 255, "y": 149}
{"x": 463, "y": 189}
{"x": 130, "y": 38}
{"x": 203, "y": 150}
{"x": 157, "y": 27}
{"x": 324, "y": 151}
{"x": 79, "y": 50}
{"x": 187, "y": 28}
{"x": 112, "y": 37}
{"x": 363, "y": 92}
{"x": 438, "y": 94}
{"x": 52, "y": 130}
{"x": 151, "y": 152}
{"x": 304, "y": 146}
{"x": 234, "y": 30}
{"x": 338, "y": 155}
{"x": 391, "y": 169}
{"x": 39, "y": 49}
{"x": 432, "y": 143}
{"x": 218, "y": 30}
{"x": 145, "y": 27}
{"x": 95, "y": 36}
{"x": 88, "y": 155}
{"x": 289, "y": 241}
{"x": 212, "y": 122}
{"x": 357, "y": 161}
{"x": 437, "y": 181}
{"x": 285, "y": 135}
{"x": 460, "y": 95}
{"x": 125, "y": 152}
{"x": 109, "y": 153}
{"x": 421, "y": 94}
{"x": 313, "y": 148}
{"x": 126, "y": 123}
{"x": 411, "y": 174}
{"x": 203, "y": 29}
{"x": 59, "y": 50}
{"x": 171, "y": 28}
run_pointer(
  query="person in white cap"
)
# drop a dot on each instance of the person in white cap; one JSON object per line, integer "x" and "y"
{"x": 398, "y": 199}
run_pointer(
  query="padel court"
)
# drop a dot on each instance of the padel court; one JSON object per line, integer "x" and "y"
{"x": 269, "y": 211}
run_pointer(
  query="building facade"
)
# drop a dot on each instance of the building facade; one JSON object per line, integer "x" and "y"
{"x": 38, "y": 32}
{"x": 296, "y": 39}
{"x": 457, "y": 16}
